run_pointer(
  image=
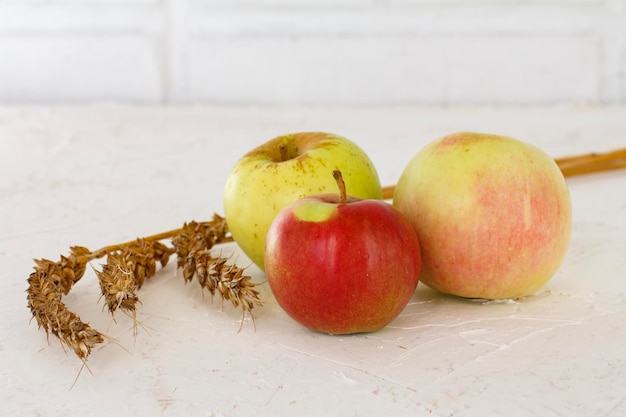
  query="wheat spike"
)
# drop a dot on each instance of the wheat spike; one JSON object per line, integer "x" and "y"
{"x": 127, "y": 267}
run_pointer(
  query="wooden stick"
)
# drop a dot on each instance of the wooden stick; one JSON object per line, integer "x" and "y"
{"x": 570, "y": 166}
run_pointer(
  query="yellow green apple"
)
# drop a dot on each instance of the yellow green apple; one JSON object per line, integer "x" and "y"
{"x": 493, "y": 215}
{"x": 286, "y": 169}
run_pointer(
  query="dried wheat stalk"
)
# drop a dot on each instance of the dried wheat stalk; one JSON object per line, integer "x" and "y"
{"x": 571, "y": 166}
{"x": 127, "y": 267}
{"x": 593, "y": 162}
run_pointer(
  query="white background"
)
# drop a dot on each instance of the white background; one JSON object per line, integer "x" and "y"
{"x": 506, "y": 52}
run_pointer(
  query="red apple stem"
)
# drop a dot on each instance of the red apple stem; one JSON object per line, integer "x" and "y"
{"x": 342, "y": 186}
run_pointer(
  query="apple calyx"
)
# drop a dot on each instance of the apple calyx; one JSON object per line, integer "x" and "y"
{"x": 343, "y": 195}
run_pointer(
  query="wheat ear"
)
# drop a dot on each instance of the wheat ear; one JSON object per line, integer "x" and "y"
{"x": 46, "y": 286}
{"x": 127, "y": 267}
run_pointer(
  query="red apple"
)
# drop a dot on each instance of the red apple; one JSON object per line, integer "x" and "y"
{"x": 340, "y": 264}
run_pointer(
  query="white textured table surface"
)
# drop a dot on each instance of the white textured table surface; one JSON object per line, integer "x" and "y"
{"x": 98, "y": 175}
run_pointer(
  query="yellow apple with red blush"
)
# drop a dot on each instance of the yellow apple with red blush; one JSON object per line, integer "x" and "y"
{"x": 492, "y": 213}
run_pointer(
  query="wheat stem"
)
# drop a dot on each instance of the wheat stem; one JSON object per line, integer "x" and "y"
{"x": 570, "y": 166}
{"x": 156, "y": 237}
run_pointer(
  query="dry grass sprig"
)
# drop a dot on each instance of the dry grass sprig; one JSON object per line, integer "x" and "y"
{"x": 127, "y": 267}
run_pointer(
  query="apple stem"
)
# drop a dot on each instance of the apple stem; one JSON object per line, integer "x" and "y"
{"x": 342, "y": 186}
{"x": 284, "y": 152}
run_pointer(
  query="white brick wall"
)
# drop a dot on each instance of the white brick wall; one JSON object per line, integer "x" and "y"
{"x": 314, "y": 51}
